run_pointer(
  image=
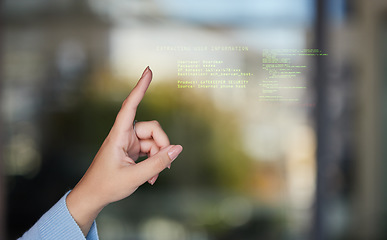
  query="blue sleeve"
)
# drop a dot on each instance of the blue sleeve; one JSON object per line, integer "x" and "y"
{"x": 57, "y": 223}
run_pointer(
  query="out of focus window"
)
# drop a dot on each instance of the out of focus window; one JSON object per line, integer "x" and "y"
{"x": 232, "y": 84}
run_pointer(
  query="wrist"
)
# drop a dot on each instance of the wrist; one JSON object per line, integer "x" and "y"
{"x": 84, "y": 207}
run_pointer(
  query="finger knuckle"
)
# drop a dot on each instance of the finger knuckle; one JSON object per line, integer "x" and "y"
{"x": 160, "y": 163}
{"x": 156, "y": 123}
{"x": 124, "y": 103}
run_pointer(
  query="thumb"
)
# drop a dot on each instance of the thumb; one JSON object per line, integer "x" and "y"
{"x": 152, "y": 166}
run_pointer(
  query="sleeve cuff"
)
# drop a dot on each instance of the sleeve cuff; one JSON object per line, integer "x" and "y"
{"x": 57, "y": 223}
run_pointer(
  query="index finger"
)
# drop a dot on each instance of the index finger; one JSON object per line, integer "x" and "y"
{"x": 128, "y": 110}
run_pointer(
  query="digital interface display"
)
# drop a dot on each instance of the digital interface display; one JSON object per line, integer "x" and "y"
{"x": 279, "y": 75}
{"x": 284, "y": 70}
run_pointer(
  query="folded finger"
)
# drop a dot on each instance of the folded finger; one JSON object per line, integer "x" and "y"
{"x": 153, "y": 179}
{"x": 149, "y": 147}
{"x": 152, "y": 130}
{"x": 147, "y": 169}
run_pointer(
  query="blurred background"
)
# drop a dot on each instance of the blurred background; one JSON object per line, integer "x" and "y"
{"x": 306, "y": 167}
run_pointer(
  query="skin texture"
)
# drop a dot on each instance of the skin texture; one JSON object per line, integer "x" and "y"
{"x": 114, "y": 175}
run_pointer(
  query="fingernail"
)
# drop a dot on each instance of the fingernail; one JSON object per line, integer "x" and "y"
{"x": 174, "y": 152}
{"x": 152, "y": 180}
{"x": 145, "y": 71}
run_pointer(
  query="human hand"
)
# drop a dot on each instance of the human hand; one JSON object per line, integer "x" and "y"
{"x": 114, "y": 174}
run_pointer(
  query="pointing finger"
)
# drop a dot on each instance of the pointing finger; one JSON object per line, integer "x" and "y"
{"x": 128, "y": 110}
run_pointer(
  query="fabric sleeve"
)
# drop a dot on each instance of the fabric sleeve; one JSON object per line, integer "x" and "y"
{"x": 57, "y": 223}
